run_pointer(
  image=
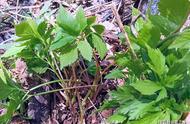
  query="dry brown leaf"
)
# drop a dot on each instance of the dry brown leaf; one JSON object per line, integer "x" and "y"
{"x": 20, "y": 72}
{"x": 121, "y": 82}
{"x": 94, "y": 119}
{"x": 107, "y": 113}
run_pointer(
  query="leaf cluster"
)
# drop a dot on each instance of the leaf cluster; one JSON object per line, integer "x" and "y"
{"x": 53, "y": 47}
{"x": 10, "y": 92}
{"x": 158, "y": 81}
{"x": 70, "y": 37}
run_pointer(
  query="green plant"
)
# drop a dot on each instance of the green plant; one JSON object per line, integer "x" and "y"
{"x": 158, "y": 81}
{"x": 11, "y": 92}
{"x": 58, "y": 48}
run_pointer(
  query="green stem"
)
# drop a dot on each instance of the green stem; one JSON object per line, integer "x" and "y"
{"x": 59, "y": 75}
{"x": 43, "y": 84}
{"x": 47, "y": 92}
{"x": 81, "y": 108}
{"x": 95, "y": 82}
{"x": 38, "y": 86}
{"x": 68, "y": 88}
{"x": 56, "y": 65}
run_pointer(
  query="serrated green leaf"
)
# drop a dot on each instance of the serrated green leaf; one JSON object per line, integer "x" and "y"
{"x": 85, "y": 50}
{"x": 172, "y": 14}
{"x": 5, "y": 75}
{"x": 182, "y": 41}
{"x": 39, "y": 69}
{"x": 163, "y": 24}
{"x": 115, "y": 74}
{"x": 171, "y": 59}
{"x": 121, "y": 59}
{"x": 27, "y": 30}
{"x": 108, "y": 104}
{"x": 68, "y": 23}
{"x": 149, "y": 34}
{"x": 171, "y": 80}
{"x": 123, "y": 94}
{"x": 23, "y": 29}
{"x": 42, "y": 28}
{"x": 92, "y": 68}
{"x": 15, "y": 100}
{"x": 152, "y": 118}
{"x": 68, "y": 58}
{"x": 15, "y": 49}
{"x": 180, "y": 66}
{"x": 37, "y": 65}
{"x": 137, "y": 67}
{"x": 91, "y": 20}
{"x": 98, "y": 28}
{"x": 185, "y": 58}
{"x": 136, "y": 109}
{"x": 62, "y": 42}
{"x": 175, "y": 10}
{"x": 157, "y": 63}
{"x": 99, "y": 45}
{"x": 140, "y": 22}
{"x": 5, "y": 90}
{"x": 81, "y": 19}
{"x": 162, "y": 94}
{"x": 146, "y": 87}
{"x": 116, "y": 119}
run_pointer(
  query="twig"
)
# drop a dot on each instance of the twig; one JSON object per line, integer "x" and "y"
{"x": 123, "y": 30}
{"x": 65, "y": 73}
{"x": 104, "y": 71}
{"x": 46, "y": 84}
{"x": 87, "y": 76}
{"x": 99, "y": 11}
{"x": 98, "y": 6}
{"x": 18, "y": 15}
{"x": 97, "y": 110}
{"x": 22, "y": 7}
{"x": 6, "y": 13}
{"x": 5, "y": 41}
{"x": 74, "y": 73}
{"x": 6, "y": 31}
{"x": 96, "y": 80}
{"x": 140, "y": 2}
{"x": 119, "y": 6}
{"x": 17, "y": 4}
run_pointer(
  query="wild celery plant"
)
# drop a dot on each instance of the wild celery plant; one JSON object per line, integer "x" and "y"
{"x": 158, "y": 81}
{"x": 42, "y": 42}
{"x": 46, "y": 46}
